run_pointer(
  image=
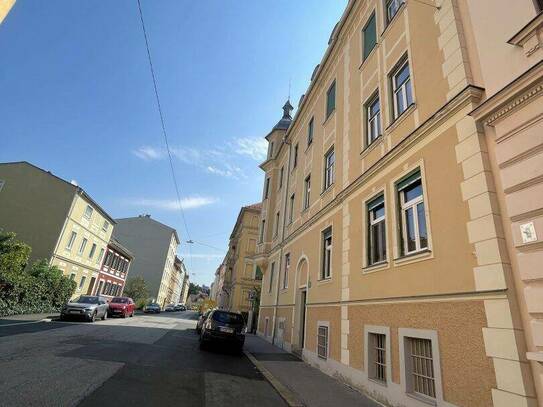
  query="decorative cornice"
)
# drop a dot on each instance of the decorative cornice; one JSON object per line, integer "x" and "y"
{"x": 514, "y": 104}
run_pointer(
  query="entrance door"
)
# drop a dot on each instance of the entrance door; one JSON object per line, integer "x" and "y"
{"x": 301, "y": 339}
{"x": 91, "y": 286}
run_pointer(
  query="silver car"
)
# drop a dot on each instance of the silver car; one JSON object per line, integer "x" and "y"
{"x": 88, "y": 307}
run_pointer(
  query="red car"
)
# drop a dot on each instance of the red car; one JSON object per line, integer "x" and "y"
{"x": 121, "y": 306}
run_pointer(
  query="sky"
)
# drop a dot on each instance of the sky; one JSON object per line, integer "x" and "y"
{"x": 77, "y": 99}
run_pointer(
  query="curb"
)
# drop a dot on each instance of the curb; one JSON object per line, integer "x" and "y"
{"x": 290, "y": 398}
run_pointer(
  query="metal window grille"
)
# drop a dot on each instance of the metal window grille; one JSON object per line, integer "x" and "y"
{"x": 422, "y": 367}
{"x": 322, "y": 342}
{"x": 378, "y": 344}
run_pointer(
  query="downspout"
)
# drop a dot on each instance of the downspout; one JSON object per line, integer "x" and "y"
{"x": 280, "y": 268}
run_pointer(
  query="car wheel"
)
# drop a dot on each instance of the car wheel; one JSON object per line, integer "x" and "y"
{"x": 93, "y": 317}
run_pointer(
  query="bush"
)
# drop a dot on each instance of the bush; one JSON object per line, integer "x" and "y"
{"x": 42, "y": 288}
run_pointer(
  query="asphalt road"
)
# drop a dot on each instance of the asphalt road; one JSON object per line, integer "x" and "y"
{"x": 148, "y": 360}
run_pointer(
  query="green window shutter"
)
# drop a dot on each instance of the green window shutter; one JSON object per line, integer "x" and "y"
{"x": 370, "y": 36}
{"x": 408, "y": 180}
{"x": 331, "y": 100}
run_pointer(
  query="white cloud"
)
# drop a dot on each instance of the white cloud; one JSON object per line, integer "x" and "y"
{"x": 207, "y": 256}
{"x": 149, "y": 153}
{"x": 191, "y": 202}
{"x": 254, "y": 147}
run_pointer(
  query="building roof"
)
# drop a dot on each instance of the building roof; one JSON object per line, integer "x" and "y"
{"x": 285, "y": 121}
{"x": 147, "y": 217}
{"x": 113, "y": 242}
{"x": 77, "y": 189}
{"x": 254, "y": 207}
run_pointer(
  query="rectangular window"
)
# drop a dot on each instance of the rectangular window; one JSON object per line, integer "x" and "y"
{"x": 82, "y": 282}
{"x": 377, "y": 356}
{"x": 270, "y": 150}
{"x": 100, "y": 255}
{"x": 420, "y": 367}
{"x": 322, "y": 342}
{"x": 287, "y": 267}
{"x": 307, "y": 191}
{"x": 369, "y": 34}
{"x": 262, "y": 229}
{"x": 266, "y": 188}
{"x": 272, "y": 271}
{"x": 392, "y": 7}
{"x": 71, "y": 241}
{"x": 412, "y": 214}
{"x": 295, "y": 157}
{"x": 373, "y": 119}
{"x": 88, "y": 212}
{"x": 329, "y": 161}
{"x": 105, "y": 226}
{"x": 401, "y": 88}
{"x": 326, "y": 271}
{"x": 92, "y": 251}
{"x": 281, "y": 173}
{"x": 376, "y": 230}
{"x": 291, "y": 209}
{"x": 331, "y": 100}
{"x": 100, "y": 286}
{"x": 310, "y": 131}
{"x": 83, "y": 245}
{"x": 72, "y": 276}
{"x": 276, "y": 224}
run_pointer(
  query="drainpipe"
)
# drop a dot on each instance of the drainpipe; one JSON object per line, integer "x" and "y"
{"x": 280, "y": 268}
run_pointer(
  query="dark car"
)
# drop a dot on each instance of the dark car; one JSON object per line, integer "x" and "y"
{"x": 223, "y": 327}
{"x": 152, "y": 308}
{"x": 121, "y": 306}
{"x": 201, "y": 321}
{"x": 88, "y": 307}
{"x": 180, "y": 307}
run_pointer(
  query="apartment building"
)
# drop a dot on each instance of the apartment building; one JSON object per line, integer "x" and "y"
{"x": 58, "y": 219}
{"x": 5, "y": 7}
{"x": 154, "y": 246}
{"x": 114, "y": 270}
{"x": 185, "y": 288}
{"x": 240, "y": 279}
{"x": 402, "y": 204}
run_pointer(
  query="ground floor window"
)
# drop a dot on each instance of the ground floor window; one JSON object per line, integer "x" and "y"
{"x": 322, "y": 342}
{"x": 420, "y": 367}
{"x": 377, "y": 354}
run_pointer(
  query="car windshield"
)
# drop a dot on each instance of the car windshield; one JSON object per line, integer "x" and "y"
{"x": 120, "y": 300}
{"x": 87, "y": 299}
{"x": 227, "y": 317}
{"x": 153, "y": 305}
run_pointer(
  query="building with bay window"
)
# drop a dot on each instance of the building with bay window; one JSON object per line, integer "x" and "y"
{"x": 402, "y": 206}
{"x": 114, "y": 270}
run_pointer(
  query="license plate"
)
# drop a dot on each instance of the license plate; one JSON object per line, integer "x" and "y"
{"x": 226, "y": 329}
{"x": 75, "y": 312}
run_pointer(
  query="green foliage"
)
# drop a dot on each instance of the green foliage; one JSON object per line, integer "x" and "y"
{"x": 40, "y": 288}
{"x": 136, "y": 288}
{"x": 194, "y": 288}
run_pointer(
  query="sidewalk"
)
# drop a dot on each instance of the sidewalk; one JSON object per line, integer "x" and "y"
{"x": 309, "y": 385}
{"x": 26, "y": 318}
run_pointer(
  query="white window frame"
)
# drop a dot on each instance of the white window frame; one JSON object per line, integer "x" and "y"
{"x": 401, "y": 91}
{"x": 105, "y": 226}
{"x": 329, "y": 169}
{"x": 323, "y": 324}
{"x": 404, "y": 334}
{"x": 272, "y": 272}
{"x": 404, "y": 207}
{"x": 368, "y": 359}
{"x": 71, "y": 240}
{"x": 326, "y": 250}
{"x": 82, "y": 246}
{"x": 286, "y": 271}
{"x": 92, "y": 250}
{"x": 81, "y": 283}
{"x": 373, "y": 222}
{"x": 373, "y": 123}
{"x": 397, "y": 4}
{"x": 88, "y": 215}
{"x": 307, "y": 191}
{"x": 291, "y": 208}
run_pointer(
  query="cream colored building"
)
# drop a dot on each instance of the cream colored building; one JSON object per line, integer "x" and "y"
{"x": 5, "y": 7}
{"x": 391, "y": 250}
{"x": 58, "y": 219}
{"x": 240, "y": 277}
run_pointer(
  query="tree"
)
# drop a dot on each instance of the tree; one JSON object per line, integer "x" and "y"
{"x": 14, "y": 254}
{"x": 194, "y": 288}
{"x": 136, "y": 288}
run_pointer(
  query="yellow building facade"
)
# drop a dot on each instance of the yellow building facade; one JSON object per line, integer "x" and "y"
{"x": 380, "y": 238}
{"x": 5, "y": 7}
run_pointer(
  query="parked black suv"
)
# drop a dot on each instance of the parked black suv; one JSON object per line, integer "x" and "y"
{"x": 223, "y": 327}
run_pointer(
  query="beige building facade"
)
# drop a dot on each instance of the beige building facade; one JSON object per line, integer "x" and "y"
{"x": 387, "y": 243}
{"x": 59, "y": 221}
{"x": 5, "y": 7}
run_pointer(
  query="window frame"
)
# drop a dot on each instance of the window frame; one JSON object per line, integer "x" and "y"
{"x": 329, "y": 170}
{"x": 389, "y": 17}
{"x": 291, "y": 208}
{"x": 272, "y": 272}
{"x": 310, "y": 130}
{"x": 262, "y": 231}
{"x": 82, "y": 246}
{"x": 100, "y": 255}
{"x": 295, "y": 156}
{"x": 89, "y": 216}
{"x": 286, "y": 271}
{"x": 404, "y": 206}
{"x": 281, "y": 175}
{"x": 326, "y": 336}
{"x": 372, "y": 223}
{"x": 105, "y": 226}
{"x": 365, "y": 54}
{"x": 369, "y": 358}
{"x": 267, "y": 188}
{"x": 92, "y": 250}
{"x": 326, "y": 253}
{"x": 404, "y": 61}
{"x": 276, "y": 224}
{"x": 307, "y": 192}
{"x": 373, "y": 121}
{"x": 71, "y": 241}
{"x": 329, "y": 111}
{"x": 81, "y": 282}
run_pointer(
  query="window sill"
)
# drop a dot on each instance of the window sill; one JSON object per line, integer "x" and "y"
{"x": 329, "y": 117}
{"x": 396, "y": 122}
{"x": 324, "y": 192}
{"x": 377, "y": 381}
{"x": 369, "y": 148}
{"x": 394, "y": 19}
{"x": 375, "y": 267}
{"x": 324, "y": 281}
{"x": 373, "y": 51}
{"x": 426, "y": 400}
{"x": 414, "y": 256}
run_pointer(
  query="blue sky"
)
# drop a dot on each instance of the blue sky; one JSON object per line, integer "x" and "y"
{"x": 77, "y": 99}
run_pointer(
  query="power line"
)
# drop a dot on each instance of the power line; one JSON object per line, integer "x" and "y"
{"x": 162, "y": 123}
